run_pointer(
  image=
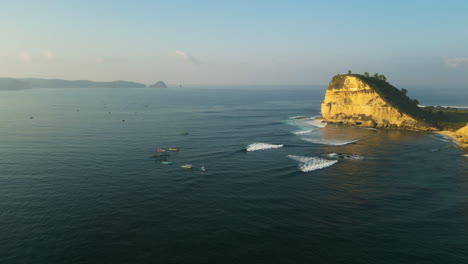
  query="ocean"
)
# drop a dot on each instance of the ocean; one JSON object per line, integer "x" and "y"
{"x": 80, "y": 182}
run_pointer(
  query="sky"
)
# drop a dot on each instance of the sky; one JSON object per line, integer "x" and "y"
{"x": 236, "y": 42}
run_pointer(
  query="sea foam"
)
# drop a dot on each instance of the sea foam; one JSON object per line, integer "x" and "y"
{"x": 317, "y": 122}
{"x": 350, "y": 156}
{"x": 301, "y": 132}
{"x": 332, "y": 142}
{"x": 261, "y": 146}
{"x": 307, "y": 164}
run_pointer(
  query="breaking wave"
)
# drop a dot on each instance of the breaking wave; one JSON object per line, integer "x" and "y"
{"x": 307, "y": 164}
{"x": 344, "y": 156}
{"x": 332, "y": 142}
{"x": 302, "y": 132}
{"x": 317, "y": 123}
{"x": 261, "y": 146}
{"x": 444, "y": 139}
{"x": 298, "y": 117}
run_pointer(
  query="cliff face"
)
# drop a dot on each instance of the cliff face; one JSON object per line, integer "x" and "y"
{"x": 462, "y": 136}
{"x": 353, "y": 101}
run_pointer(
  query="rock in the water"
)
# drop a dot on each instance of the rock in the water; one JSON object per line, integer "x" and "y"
{"x": 159, "y": 84}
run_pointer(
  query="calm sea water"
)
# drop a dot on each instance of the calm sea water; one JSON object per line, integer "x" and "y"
{"x": 78, "y": 185}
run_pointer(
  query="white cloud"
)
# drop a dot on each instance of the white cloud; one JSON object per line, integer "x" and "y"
{"x": 456, "y": 62}
{"x": 186, "y": 57}
{"x": 25, "y": 57}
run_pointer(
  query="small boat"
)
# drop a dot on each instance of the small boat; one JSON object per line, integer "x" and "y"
{"x": 186, "y": 166}
{"x": 173, "y": 149}
{"x": 160, "y": 150}
{"x": 166, "y": 162}
{"x": 203, "y": 168}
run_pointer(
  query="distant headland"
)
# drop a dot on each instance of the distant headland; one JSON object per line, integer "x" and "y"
{"x": 29, "y": 83}
{"x": 371, "y": 101}
{"x": 13, "y": 84}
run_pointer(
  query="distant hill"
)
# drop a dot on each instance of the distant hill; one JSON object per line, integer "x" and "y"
{"x": 13, "y": 84}
{"x": 159, "y": 84}
{"x": 58, "y": 83}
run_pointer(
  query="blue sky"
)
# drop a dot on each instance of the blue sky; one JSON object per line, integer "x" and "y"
{"x": 236, "y": 42}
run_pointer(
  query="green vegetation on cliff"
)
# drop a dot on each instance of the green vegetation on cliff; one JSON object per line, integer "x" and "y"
{"x": 449, "y": 118}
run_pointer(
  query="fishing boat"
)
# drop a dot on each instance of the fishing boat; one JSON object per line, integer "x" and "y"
{"x": 203, "y": 168}
{"x": 186, "y": 166}
{"x": 173, "y": 149}
{"x": 166, "y": 162}
{"x": 160, "y": 150}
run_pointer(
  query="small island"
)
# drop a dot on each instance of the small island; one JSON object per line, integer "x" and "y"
{"x": 371, "y": 101}
{"x": 159, "y": 84}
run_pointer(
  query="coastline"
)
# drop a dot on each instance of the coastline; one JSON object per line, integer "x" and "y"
{"x": 452, "y": 135}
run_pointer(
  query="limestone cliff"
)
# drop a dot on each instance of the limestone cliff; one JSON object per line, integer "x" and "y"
{"x": 364, "y": 101}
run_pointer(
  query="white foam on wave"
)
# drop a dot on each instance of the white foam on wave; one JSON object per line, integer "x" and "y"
{"x": 307, "y": 164}
{"x": 261, "y": 146}
{"x": 442, "y": 138}
{"x": 302, "y": 132}
{"x": 332, "y": 142}
{"x": 350, "y": 156}
{"x": 298, "y": 117}
{"x": 317, "y": 122}
{"x": 306, "y": 125}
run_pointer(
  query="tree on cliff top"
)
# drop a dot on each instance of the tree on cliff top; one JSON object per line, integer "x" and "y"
{"x": 382, "y": 77}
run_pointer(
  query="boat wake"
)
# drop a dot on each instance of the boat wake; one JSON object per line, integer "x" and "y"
{"x": 307, "y": 164}
{"x": 261, "y": 146}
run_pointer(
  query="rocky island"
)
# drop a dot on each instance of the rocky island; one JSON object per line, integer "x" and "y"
{"x": 159, "y": 84}
{"x": 370, "y": 101}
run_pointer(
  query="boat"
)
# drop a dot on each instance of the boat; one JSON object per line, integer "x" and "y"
{"x": 166, "y": 162}
{"x": 186, "y": 166}
{"x": 160, "y": 150}
{"x": 203, "y": 168}
{"x": 173, "y": 149}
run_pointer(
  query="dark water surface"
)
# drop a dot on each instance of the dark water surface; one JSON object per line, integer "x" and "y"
{"x": 77, "y": 185}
